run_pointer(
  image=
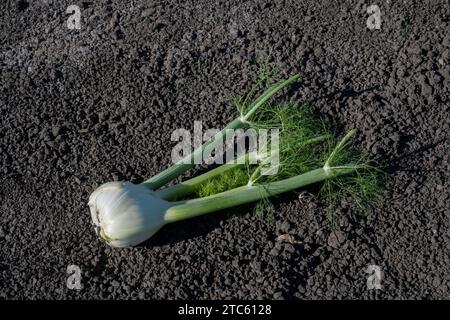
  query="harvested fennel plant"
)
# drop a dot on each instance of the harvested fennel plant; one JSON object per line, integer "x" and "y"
{"x": 127, "y": 214}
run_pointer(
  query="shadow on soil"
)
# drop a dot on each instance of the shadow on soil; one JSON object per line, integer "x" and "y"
{"x": 396, "y": 163}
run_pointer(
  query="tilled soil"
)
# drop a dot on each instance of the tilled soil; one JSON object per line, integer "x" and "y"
{"x": 83, "y": 107}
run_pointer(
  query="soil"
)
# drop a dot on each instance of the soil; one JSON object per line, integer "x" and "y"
{"x": 83, "y": 107}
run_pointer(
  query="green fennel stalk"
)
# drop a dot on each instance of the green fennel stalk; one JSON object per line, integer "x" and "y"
{"x": 177, "y": 169}
{"x": 306, "y": 159}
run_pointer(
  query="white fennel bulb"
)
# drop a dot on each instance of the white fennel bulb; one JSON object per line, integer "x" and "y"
{"x": 126, "y": 214}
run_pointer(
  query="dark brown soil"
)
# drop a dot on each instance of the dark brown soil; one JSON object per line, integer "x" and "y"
{"x": 83, "y": 107}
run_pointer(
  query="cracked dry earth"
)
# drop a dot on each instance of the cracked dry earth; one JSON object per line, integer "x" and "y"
{"x": 82, "y": 107}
